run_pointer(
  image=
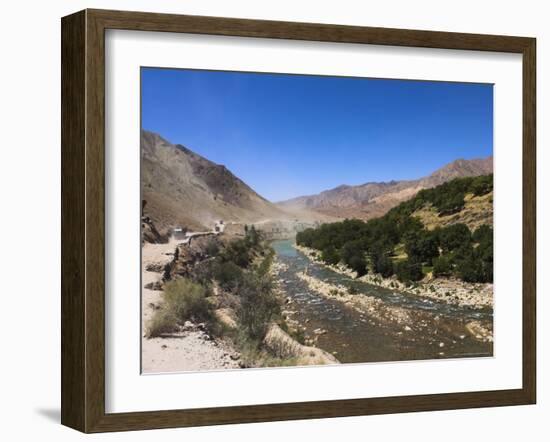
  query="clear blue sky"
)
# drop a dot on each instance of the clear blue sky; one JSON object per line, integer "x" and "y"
{"x": 289, "y": 135}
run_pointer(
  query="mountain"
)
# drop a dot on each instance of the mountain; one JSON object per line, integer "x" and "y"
{"x": 181, "y": 188}
{"x": 371, "y": 200}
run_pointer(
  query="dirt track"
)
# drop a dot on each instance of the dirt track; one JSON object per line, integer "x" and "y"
{"x": 188, "y": 350}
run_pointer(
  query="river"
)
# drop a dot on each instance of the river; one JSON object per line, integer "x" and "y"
{"x": 436, "y": 330}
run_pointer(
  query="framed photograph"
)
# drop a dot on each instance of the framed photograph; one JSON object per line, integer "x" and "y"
{"x": 267, "y": 220}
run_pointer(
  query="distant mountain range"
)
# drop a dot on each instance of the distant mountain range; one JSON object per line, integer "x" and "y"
{"x": 371, "y": 200}
{"x": 182, "y": 188}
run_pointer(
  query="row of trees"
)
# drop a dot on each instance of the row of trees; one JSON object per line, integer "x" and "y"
{"x": 451, "y": 250}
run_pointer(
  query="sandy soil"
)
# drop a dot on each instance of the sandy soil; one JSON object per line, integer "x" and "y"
{"x": 185, "y": 351}
{"x": 189, "y": 350}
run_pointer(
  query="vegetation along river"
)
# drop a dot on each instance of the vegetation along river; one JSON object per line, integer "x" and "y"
{"x": 432, "y": 329}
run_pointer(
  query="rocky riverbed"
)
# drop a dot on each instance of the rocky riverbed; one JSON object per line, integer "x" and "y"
{"x": 448, "y": 290}
{"x": 361, "y": 322}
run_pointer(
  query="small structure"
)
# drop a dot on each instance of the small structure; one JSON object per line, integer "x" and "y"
{"x": 178, "y": 233}
{"x": 219, "y": 227}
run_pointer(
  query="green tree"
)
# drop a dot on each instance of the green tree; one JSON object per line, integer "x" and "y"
{"x": 421, "y": 246}
{"x": 454, "y": 236}
{"x": 442, "y": 266}
{"x": 258, "y": 305}
{"x": 358, "y": 264}
{"x": 330, "y": 255}
{"x": 383, "y": 265}
{"x": 483, "y": 234}
{"x": 408, "y": 271}
{"x": 228, "y": 274}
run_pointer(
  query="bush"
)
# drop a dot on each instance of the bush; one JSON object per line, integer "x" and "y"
{"x": 475, "y": 264}
{"x": 330, "y": 256}
{"x": 238, "y": 252}
{"x": 482, "y": 185}
{"x": 470, "y": 270}
{"x": 252, "y": 236}
{"x": 350, "y": 250}
{"x": 228, "y": 274}
{"x": 383, "y": 265}
{"x": 451, "y": 205}
{"x": 258, "y": 306}
{"x": 358, "y": 264}
{"x": 163, "y": 322}
{"x": 265, "y": 265}
{"x": 453, "y": 237}
{"x": 212, "y": 248}
{"x": 408, "y": 271}
{"x": 186, "y": 300}
{"x": 483, "y": 234}
{"x": 442, "y": 266}
{"x": 421, "y": 246}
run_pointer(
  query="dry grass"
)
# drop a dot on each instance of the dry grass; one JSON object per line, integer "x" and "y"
{"x": 478, "y": 210}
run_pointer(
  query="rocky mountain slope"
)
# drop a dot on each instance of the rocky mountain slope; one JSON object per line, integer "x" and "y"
{"x": 372, "y": 200}
{"x": 181, "y": 188}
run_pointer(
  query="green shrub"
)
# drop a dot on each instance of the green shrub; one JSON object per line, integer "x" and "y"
{"x": 453, "y": 237}
{"x": 163, "y": 322}
{"x": 442, "y": 266}
{"x": 258, "y": 305}
{"x": 481, "y": 185}
{"x": 265, "y": 265}
{"x": 330, "y": 256}
{"x": 350, "y": 250}
{"x": 252, "y": 237}
{"x": 408, "y": 271}
{"x": 421, "y": 246}
{"x": 186, "y": 300}
{"x": 239, "y": 252}
{"x": 212, "y": 247}
{"x": 228, "y": 274}
{"x": 384, "y": 266}
{"x": 358, "y": 264}
{"x": 483, "y": 235}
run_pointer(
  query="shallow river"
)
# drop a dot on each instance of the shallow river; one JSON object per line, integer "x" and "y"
{"x": 436, "y": 330}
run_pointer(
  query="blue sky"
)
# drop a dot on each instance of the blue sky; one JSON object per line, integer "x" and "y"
{"x": 290, "y": 135}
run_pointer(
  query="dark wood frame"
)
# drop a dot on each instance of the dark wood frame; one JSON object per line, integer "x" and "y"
{"x": 83, "y": 216}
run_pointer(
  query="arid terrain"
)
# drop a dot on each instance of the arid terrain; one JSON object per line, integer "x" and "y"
{"x": 181, "y": 188}
{"x": 225, "y": 286}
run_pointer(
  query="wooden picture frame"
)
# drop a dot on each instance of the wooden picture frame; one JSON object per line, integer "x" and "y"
{"x": 83, "y": 220}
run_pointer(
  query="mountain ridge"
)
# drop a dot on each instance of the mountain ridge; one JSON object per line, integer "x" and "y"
{"x": 373, "y": 199}
{"x": 182, "y": 188}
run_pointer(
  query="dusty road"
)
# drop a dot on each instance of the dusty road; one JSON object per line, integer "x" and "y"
{"x": 188, "y": 350}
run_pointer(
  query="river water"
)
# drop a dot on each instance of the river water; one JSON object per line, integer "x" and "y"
{"x": 435, "y": 330}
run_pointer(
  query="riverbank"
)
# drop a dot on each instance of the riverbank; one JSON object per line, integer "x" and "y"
{"x": 365, "y": 304}
{"x": 448, "y": 290}
{"x": 385, "y": 313}
{"x": 223, "y": 340}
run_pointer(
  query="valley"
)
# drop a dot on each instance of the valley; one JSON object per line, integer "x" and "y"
{"x": 363, "y": 273}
